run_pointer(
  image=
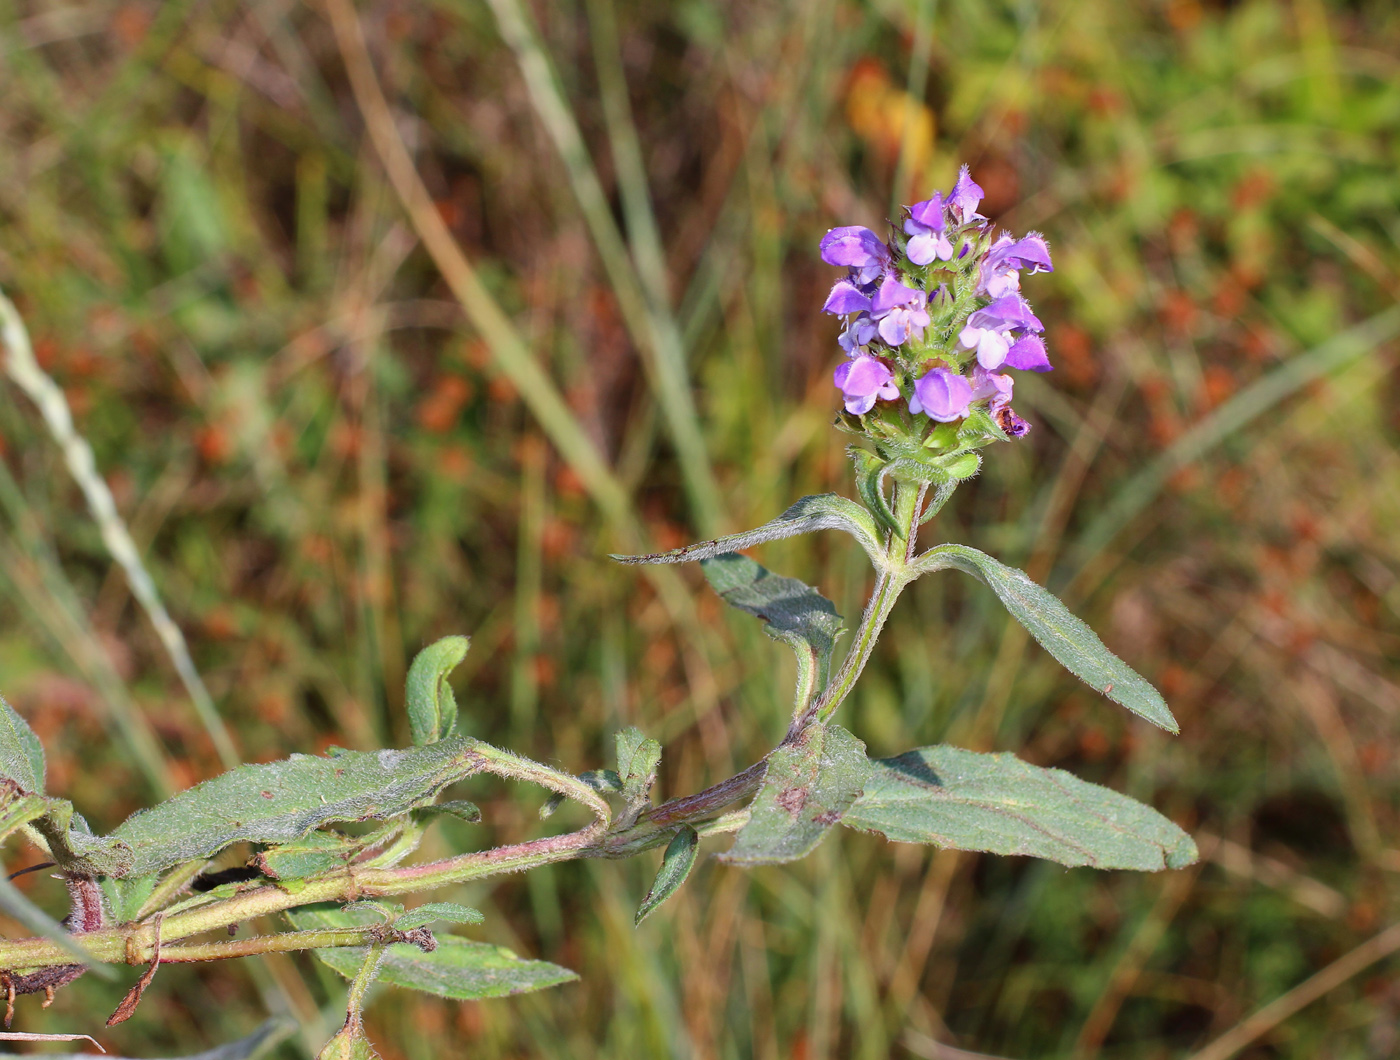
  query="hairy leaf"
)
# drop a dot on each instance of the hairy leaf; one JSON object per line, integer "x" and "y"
{"x": 18, "y": 809}
{"x": 319, "y": 852}
{"x": 448, "y": 912}
{"x": 349, "y": 1043}
{"x": 810, "y": 784}
{"x": 676, "y": 864}
{"x": 1075, "y": 645}
{"x": 825, "y": 511}
{"x": 283, "y": 801}
{"x": 458, "y": 968}
{"x": 997, "y": 803}
{"x": 458, "y": 808}
{"x": 432, "y": 709}
{"x": 21, "y": 753}
{"x": 637, "y": 760}
{"x": 792, "y": 612}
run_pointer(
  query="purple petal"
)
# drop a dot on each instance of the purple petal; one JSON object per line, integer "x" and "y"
{"x": 846, "y": 297}
{"x": 1008, "y": 312}
{"x": 854, "y": 246}
{"x": 992, "y": 385}
{"x": 1031, "y": 253}
{"x": 922, "y": 246}
{"x": 992, "y": 347}
{"x": 862, "y": 381}
{"x": 966, "y": 196}
{"x": 928, "y": 214}
{"x": 894, "y": 328}
{"x": 942, "y": 395}
{"x": 1028, "y": 354}
{"x": 891, "y": 295}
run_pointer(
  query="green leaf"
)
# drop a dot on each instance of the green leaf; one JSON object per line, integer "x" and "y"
{"x": 21, "y": 753}
{"x": 457, "y": 969}
{"x": 17, "y": 809}
{"x": 996, "y": 803}
{"x": 281, "y": 802}
{"x": 458, "y": 808}
{"x": 320, "y": 852}
{"x": 349, "y": 1043}
{"x": 870, "y": 478}
{"x": 448, "y": 912}
{"x": 826, "y": 511}
{"x": 637, "y": 762}
{"x": 809, "y": 785}
{"x": 1059, "y": 632}
{"x": 432, "y": 709}
{"x": 676, "y": 864}
{"x": 792, "y": 612}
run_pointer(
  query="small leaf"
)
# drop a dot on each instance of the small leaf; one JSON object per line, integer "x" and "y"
{"x": 458, "y": 968}
{"x": 21, "y": 753}
{"x": 826, "y": 511}
{"x": 349, "y": 1043}
{"x": 1059, "y": 632}
{"x": 676, "y": 864}
{"x": 448, "y": 912}
{"x": 997, "y": 803}
{"x": 792, "y": 612}
{"x": 281, "y": 802}
{"x": 870, "y": 477}
{"x": 432, "y": 709}
{"x": 637, "y": 761}
{"x": 18, "y": 809}
{"x": 458, "y": 808}
{"x": 809, "y": 785}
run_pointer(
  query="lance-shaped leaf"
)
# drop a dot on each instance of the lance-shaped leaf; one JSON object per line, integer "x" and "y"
{"x": 676, "y": 864}
{"x": 810, "y": 784}
{"x": 447, "y": 912}
{"x": 955, "y": 798}
{"x": 457, "y": 969}
{"x": 320, "y": 851}
{"x": 825, "y": 511}
{"x": 792, "y": 612}
{"x": 1075, "y": 645}
{"x": 283, "y": 801}
{"x": 432, "y": 709}
{"x": 21, "y": 753}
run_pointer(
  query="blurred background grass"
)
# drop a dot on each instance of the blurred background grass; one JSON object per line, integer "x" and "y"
{"x": 326, "y": 467}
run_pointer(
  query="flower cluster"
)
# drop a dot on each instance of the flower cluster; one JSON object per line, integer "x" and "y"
{"x": 935, "y": 316}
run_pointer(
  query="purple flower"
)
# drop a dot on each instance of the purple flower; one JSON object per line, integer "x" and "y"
{"x": 859, "y": 331}
{"x": 1010, "y": 311}
{"x": 941, "y": 394}
{"x": 846, "y": 297}
{"x": 1031, "y": 252}
{"x": 863, "y": 380}
{"x": 898, "y": 311}
{"x": 997, "y": 277}
{"x": 992, "y": 385}
{"x": 859, "y": 249}
{"x": 965, "y": 197}
{"x": 991, "y": 345}
{"x": 1028, "y": 354}
{"x": 925, "y": 227}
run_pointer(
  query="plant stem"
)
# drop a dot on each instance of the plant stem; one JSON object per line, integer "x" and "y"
{"x": 889, "y": 583}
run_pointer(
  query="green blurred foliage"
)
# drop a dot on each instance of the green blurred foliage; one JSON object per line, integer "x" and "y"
{"x": 326, "y": 474}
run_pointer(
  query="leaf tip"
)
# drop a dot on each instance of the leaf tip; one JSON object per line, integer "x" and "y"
{"x": 1183, "y": 854}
